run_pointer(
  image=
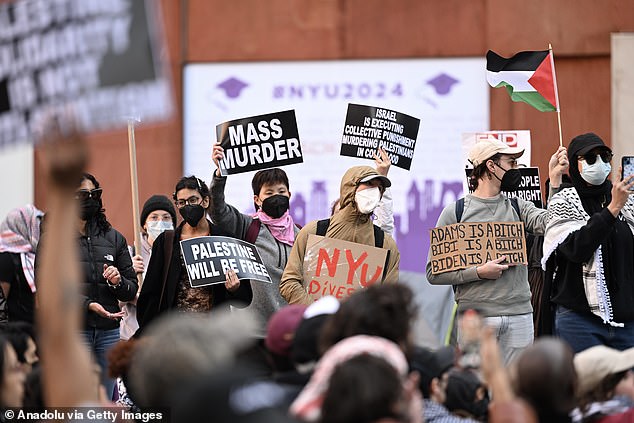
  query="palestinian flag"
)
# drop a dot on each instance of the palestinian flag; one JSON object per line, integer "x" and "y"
{"x": 528, "y": 76}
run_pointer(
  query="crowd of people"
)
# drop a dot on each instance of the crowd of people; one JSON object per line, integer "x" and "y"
{"x": 87, "y": 322}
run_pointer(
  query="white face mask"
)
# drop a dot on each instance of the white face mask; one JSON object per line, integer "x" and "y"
{"x": 367, "y": 199}
{"x": 596, "y": 173}
{"x": 157, "y": 227}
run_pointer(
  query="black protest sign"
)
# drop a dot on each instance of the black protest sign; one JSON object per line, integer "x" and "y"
{"x": 369, "y": 128}
{"x": 207, "y": 258}
{"x": 463, "y": 245}
{"x": 259, "y": 142}
{"x": 529, "y": 188}
{"x": 95, "y": 62}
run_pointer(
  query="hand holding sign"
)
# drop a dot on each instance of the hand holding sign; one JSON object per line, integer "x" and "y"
{"x": 383, "y": 162}
{"x": 217, "y": 154}
{"x": 232, "y": 283}
{"x": 492, "y": 269}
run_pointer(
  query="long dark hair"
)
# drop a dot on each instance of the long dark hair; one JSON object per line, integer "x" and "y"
{"x": 100, "y": 218}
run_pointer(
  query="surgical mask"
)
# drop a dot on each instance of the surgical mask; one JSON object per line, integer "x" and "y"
{"x": 596, "y": 173}
{"x": 275, "y": 206}
{"x": 367, "y": 200}
{"x": 157, "y": 227}
{"x": 192, "y": 214}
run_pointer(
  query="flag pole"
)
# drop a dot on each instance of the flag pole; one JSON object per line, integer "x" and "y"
{"x": 552, "y": 65}
{"x": 135, "y": 188}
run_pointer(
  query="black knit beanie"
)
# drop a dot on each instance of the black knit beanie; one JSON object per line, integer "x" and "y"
{"x": 158, "y": 202}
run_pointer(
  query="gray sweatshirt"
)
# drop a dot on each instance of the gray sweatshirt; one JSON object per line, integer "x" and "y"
{"x": 508, "y": 295}
{"x": 266, "y": 296}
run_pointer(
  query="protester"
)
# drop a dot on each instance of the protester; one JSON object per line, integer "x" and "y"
{"x": 22, "y": 337}
{"x": 271, "y": 229}
{"x": 606, "y": 382}
{"x": 360, "y": 193}
{"x": 157, "y": 216}
{"x": 180, "y": 348}
{"x": 68, "y": 373}
{"x": 108, "y": 274}
{"x": 19, "y": 237}
{"x": 280, "y": 333}
{"x": 12, "y": 377}
{"x": 588, "y": 247}
{"x": 499, "y": 291}
{"x": 384, "y": 212}
{"x": 467, "y": 396}
{"x": 308, "y": 405}
{"x": 433, "y": 368}
{"x": 353, "y": 394}
{"x": 547, "y": 380}
{"x": 166, "y": 285}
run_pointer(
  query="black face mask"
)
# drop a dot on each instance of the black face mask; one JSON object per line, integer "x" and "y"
{"x": 511, "y": 180}
{"x": 275, "y": 206}
{"x": 89, "y": 208}
{"x": 192, "y": 214}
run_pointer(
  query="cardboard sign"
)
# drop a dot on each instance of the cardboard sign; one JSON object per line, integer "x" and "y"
{"x": 207, "y": 258}
{"x": 339, "y": 268}
{"x": 259, "y": 142}
{"x": 96, "y": 62}
{"x": 530, "y": 188}
{"x": 369, "y": 128}
{"x": 463, "y": 245}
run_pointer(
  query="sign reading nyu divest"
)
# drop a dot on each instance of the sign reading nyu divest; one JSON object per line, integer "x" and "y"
{"x": 259, "y": 142}
{"x": 95, "y": 61}
{"x": 463, "y": 245}
{"x": 339, "y": 268}
{"x": 529, "y": 189}
{"x": 369, "y": 128}
{"x": 207, "y": 258}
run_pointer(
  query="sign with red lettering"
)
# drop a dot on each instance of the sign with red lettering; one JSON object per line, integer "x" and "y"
{"x": 463, "y": 245}
{"x": 339, "y": 268}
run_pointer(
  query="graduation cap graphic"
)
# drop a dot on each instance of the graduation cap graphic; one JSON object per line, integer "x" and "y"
{"x": 442, "y": 83}
{"x": 232, "y": 87}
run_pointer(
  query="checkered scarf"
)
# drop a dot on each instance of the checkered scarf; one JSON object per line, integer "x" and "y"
{"x": 567, "y": 215}
{"x": 20, "y": 233}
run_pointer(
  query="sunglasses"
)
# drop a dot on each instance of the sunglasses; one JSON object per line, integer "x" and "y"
{"x": 590, "y": 158}
{"x": 84, "y": 194}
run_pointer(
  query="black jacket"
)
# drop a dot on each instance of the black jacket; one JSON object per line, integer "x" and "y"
{"x": 148, "y": 304}
{"x": 96, "y": 249}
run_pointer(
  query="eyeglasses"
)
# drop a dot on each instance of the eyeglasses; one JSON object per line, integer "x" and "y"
{"x": 192, "y": 201}
{"x": 590, "y": 158}
{"x": 84, "y": 194}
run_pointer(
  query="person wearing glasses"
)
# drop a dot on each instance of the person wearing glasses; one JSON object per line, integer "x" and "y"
{"x": 500, "y": 292}
{"x": 166, "y": 285}
{"x": 108, "y": 274}
{"x": 589, "y": 251}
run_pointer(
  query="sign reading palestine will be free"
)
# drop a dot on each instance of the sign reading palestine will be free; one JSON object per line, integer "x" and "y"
{"x": 369, "y": 128}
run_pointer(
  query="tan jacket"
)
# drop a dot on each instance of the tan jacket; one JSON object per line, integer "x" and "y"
{"x": 347, "y": 224}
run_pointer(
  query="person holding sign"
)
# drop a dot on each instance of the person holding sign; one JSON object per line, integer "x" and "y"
{"x": 166, "y": 285}
{"x": 271, "y": 229}
{"x": 496, "y": 286}
{"x": 361, "y": 190}
{"x": 589, "y": 251}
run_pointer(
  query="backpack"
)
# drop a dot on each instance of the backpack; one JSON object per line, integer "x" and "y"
{"x": 379, "y": 235}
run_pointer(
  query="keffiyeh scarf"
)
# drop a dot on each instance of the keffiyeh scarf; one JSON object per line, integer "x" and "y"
{"x": 567, "y": 215}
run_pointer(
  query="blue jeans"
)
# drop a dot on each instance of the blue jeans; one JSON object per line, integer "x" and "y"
{"x": 582, "y": 331}
{"x": 99, "y": 341}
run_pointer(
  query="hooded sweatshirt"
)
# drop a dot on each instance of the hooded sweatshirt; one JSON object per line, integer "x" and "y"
{"x": 347, "y": 224}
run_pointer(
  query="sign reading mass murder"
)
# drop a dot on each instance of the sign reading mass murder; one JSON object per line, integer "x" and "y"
{"x": 339, "y": 268}
{"x": 369, "y": 128}
{"x": 463, "y": 245}
{"x": 207, "y": 258}
{"x": 259, "y": 142}
{"x": 95, "y": 61}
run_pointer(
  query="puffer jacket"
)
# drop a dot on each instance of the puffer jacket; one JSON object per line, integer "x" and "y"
{"x": 347, "y": 224}
{"x": 96, "y": 249}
